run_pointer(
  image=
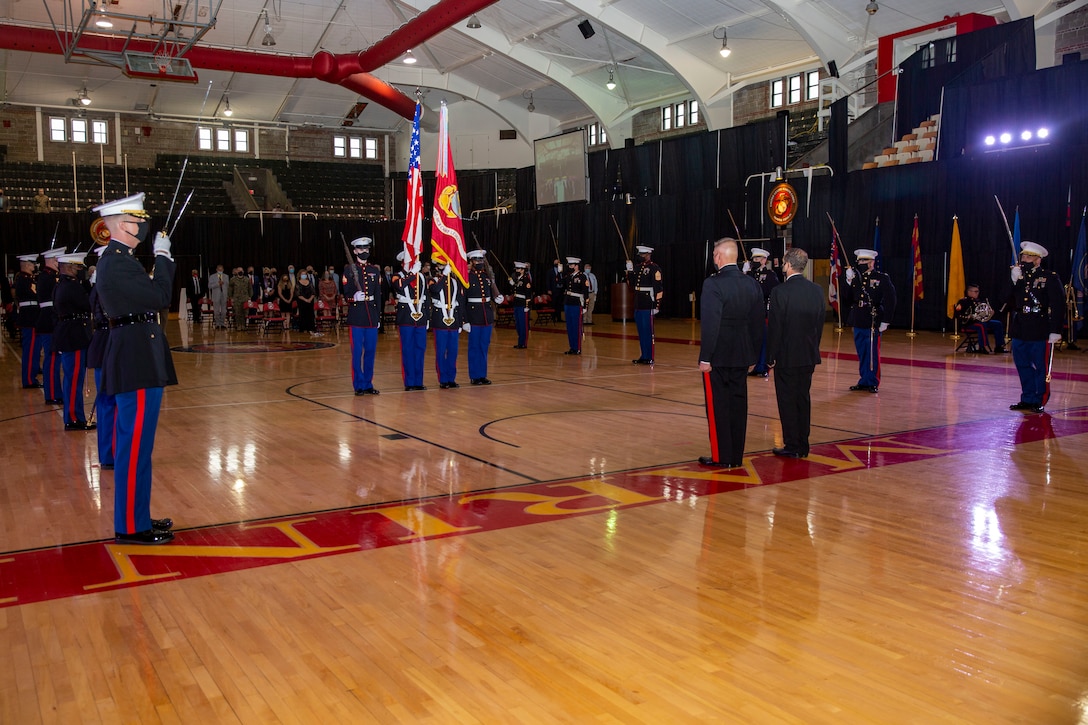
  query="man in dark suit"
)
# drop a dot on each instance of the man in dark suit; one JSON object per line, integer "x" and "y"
{"x": 732, "y": 323}
{"x": 194, "y": 290}
{"x": 795, "y": 325}
{"x": 137, "y": 365}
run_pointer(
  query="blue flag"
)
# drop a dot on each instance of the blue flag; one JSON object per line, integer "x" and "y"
{"x": 1080, "y": 274}
{"x": 1016, "y": 237}
{"x": 876, "y": 245}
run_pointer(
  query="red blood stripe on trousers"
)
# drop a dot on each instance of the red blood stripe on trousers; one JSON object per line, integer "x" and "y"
{"x": 133, "y": 461}
{"x": 711, "y": 422}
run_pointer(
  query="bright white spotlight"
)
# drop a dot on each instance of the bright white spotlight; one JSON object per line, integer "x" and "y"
{"x": 1042, "y": 133}
{"x": 989, "y": 140}
{"x": 1005, "y": 137}
{"x": 1025, "y": 135}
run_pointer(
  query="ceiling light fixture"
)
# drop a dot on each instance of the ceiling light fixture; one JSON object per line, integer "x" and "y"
{"x": 84, "y": 99}
{"x": 227, "y": 110}
{"x": 268, "y": 41}
{"x": 725, "y": 51}
{"x": 611, "y": 85}
{"x": 409, "y": 58}
{"x": 102, "y": 21}
{"x": 529, "y": 95}
{"x": 473, "y": 22}
{"x": 872, "y": 7}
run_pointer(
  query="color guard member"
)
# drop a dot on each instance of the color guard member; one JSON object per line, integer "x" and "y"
{"x": 137, "y": 364}
{"x": 44, "y": 284}
{"x": 761, "y": 271}
{"x": 575, "y": 290}
{"x": 523, "y": 298}
{"x": 870, "y": 297}
{"x": 72, "y": 337}
{"x": 649, "y": 289}
{"x": 413, "y": 317}
{"x": 480, "y": 315}
{"x": 26, "y": 317}
{"x": 105, "y": 405}
{"x": 363, "y": 286}
{"x": 447, "y": 296}
{"x": 1038, "y": 313}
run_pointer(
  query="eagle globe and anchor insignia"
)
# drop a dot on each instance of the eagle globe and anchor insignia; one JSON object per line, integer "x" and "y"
{"x": 782, "y": 204}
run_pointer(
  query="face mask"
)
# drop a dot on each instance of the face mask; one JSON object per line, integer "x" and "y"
{"x": 303, "y": 277}
{"x": 290, "y": 270}
{"x": 143, "y": 228}
{"x": 1026, "y": 267}
{"x": 362, "y": 256}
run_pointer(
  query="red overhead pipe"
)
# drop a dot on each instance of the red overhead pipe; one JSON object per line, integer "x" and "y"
{"x": 350, "y": 70}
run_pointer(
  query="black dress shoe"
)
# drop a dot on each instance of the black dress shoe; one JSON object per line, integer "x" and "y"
{"x": 757, "y": 374}
{"x": 859, "y": 387}
{"x": 79, "y": 426}
{"x": 786, "y": 453}
{"x": 1020, "y": 406}
{"x": 149, "y": 537}
{"x": 520, "y": 347}
{"x": 162, "y": 524}
{"x": 368, "y": 391}
{"x": 416, "y": 387}
{"x": 448, "y": 386}
{"x": 55, "y": 401}
{"x": 571, "y": 352}
{"x": 32, "y": 385}
{"x": 708, "y": 461}
{"x": 1000, "y": 349}
{"x": 481, "y": 381}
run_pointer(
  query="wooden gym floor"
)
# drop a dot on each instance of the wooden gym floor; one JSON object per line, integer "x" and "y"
{"x": 548, "y": 549}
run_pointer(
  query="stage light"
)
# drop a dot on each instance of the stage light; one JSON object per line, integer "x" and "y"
{"x": 1042, "y": 132}
{"x": 1005, "y": 137}
{"x": 1025, "y": 135}
{"x": 989, "y": 140}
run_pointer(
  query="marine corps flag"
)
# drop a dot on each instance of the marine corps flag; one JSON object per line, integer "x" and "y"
{"x": 447, "y": 233}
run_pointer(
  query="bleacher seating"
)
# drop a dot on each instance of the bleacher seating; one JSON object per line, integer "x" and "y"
{"x": 915, "y": 147}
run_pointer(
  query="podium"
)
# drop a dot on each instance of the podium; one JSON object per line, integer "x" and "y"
{"x": 623, "y": 302}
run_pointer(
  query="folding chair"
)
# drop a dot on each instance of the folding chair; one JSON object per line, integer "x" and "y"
{"x": 272, "y": 315}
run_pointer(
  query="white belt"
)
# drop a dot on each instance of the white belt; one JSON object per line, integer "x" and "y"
{"x": 45, "y": 304}
{"x": 520, "y": 297}
{"x": 579, "y": 295}
{"x": 479, "y": 299}
{"x": 404, "y": 300}
{"x": 366, "y": 298}
{"x": 28, "y": 304}
{"x": 645, "y": 289}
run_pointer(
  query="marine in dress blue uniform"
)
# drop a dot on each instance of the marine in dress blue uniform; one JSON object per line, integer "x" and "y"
{"x": 1038, "y": 310}
{"x": 762, "y": 272}
{"x": 363, "y": 287}
{"x": 26, "y": 318}
{"x": 105, "y": 405}
{"x": 523, "y": 299}
{"x": 72, "y": 337}
{"x": 136, "y": 366}
{"x": 447, "y": 304}
{"x": 479, "y": 315}
{"x": 870, "y": 297}
{"x": 44, "y": 284}
{"x": 413, "y": 317}
{"x": 575, "y": 291}
{"x": 645, "y": 280}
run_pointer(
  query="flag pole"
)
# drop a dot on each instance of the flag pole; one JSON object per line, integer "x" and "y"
{"x": 913, "y": 276}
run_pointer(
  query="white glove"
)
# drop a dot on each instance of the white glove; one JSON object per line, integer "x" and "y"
{"x": 654, "y": 311}
{"x": 466, "y": 327}
{"x": 510, "y": 280}
{"x": 499, "y": 299}
{"x": 1017, "y": 274}
{"x": 1054, "y": 338}
{"x": 746, "y": 267}
{"x": 849, "y": 275}
{"x": 630, "y": 266}
{"x": 162, "y": 245}
{"x": 446, "y": 270}
{"x": 358, "y": 296}
{"x": 883, "y": 326}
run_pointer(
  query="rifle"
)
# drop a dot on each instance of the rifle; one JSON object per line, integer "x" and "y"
{"x": 556, "y": 245}
{"x": 623, "y": 242}
{"x": 351, "y": 264}
{"x": 740, "y": 242}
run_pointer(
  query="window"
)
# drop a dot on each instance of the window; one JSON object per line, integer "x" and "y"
{"x": 812, "y": 83}
{"x": 597, "y": 134}
{"x": 928, "y": 56}
{"x": 666, "y": 118}
{"x": 355, "y": 148}
{"x": 680, "y": 115}
{"x": 100, "y": 132}
{"x": 222, "y": 139}
{"x": 778, "y": 90}
{"x": 372, "y": 148}
{"x": 950, "y": 50}
{"x": 58, "y": 129}
{"x": 339, "y": 146}
{"x": 79, "y": 130}
{"x": 795, "y": 89}
{"x": 204, "y": 138}
{"x": 241, "y": 140}
{"x": 693, "y": 113}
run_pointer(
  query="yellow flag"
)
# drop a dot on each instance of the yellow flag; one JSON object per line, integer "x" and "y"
{"x": 956, "y": 281}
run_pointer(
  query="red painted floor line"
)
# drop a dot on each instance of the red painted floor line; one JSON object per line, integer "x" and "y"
{"x": 68, "y": 571}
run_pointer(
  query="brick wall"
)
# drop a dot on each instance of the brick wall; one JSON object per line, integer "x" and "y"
{"x": 142, "y": 139}
{"x": 1071, "y": 35}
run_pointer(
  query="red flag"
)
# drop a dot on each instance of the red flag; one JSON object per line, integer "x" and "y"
{"x": 917, "y": 252}
{"x": 836, "y": 269}
{"x": 447, "y": 233}
{"x": 413, "y": 226}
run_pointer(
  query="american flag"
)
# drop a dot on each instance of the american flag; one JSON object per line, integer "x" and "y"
{"x": 447, "y": 233}
{"x": 413, "y": 226}
{"x": 917, "y": 253}
{"x": 836, "y": 269}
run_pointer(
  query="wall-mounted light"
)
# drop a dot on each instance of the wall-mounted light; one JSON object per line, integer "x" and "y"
{"x": 101, "y": 20}
{"x": 529, "y": 95}
{"x": 473, "y": 23}
{"x": 722, "y": 34}
{"x": 268, "y": 41}
{"x": 611, "y": 85}
{"x": 409, "y": 59}
{"x": 84, "y": 98}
